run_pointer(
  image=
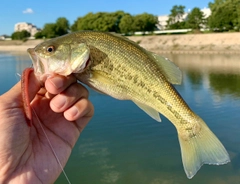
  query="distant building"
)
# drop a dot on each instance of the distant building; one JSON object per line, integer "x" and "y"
{"x": 32, "y": 29}
{"x": 162, "y": 20}
{"x": 5, "y": 37}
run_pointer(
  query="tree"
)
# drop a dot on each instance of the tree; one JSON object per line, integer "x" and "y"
{"x": 144, "y": 22}
{"x": 62, "y": 26}
{"x": 117, "y": 17}
{"x": 100, "y": 21}
{"x": 115, "y": 22}
{"x": 195, "y": 19}
{"x": 59, "y": 28}
{"x": 49, "y": 30}
{"x": 175, "y": 20}
{"x": 125, "y": 24}
{"x": 20, "y": 35}
{"x": 74, "y": 26}
{"x": 39, "y": 35}
{"x": 225, "y": 15}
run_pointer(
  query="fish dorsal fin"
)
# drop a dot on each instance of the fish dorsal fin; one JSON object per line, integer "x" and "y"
{"x": 169, "y": 69}
{"x": 150, "y": 111}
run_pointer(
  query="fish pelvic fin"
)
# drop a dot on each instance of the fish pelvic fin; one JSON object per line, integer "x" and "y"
{"x": 202, "y": 148}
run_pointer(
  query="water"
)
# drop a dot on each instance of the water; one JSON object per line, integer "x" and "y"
{"x": 123, "y": 145}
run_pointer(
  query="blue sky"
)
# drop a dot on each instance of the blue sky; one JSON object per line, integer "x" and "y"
{"x": 39, "y": 12}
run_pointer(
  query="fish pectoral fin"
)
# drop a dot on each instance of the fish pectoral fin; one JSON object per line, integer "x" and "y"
{"x": 103, "y": 77}
{"x": 201, "y": 148}
{"x": 169, "y": 69}
{"x": 149, "y": 110}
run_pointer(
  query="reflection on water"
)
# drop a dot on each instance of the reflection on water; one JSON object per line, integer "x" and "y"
{"x": 225, "y": 83}
{"x": 122, "y": 144}
{"x": 219, "y": 63}
{"x": 221, "y": 71}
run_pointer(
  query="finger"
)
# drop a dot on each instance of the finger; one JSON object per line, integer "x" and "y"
{"x": 42, "y": 92}
{"x": 57, "y": 83}
{"x": 81, "y": 112}
{"x": 67, "y": 98}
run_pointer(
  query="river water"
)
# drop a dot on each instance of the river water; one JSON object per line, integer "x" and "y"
{"x": 123, "y": 145}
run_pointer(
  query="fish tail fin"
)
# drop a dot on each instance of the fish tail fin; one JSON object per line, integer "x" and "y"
{"x": 201, "y": 148}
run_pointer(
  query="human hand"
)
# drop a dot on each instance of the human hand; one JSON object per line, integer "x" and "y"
{"x": 63, "y": 110}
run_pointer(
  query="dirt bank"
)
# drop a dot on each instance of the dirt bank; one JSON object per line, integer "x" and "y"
{"x": 17, "y": 46}
{"x": 189, "y": 43}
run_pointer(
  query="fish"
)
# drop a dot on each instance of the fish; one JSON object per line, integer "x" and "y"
{"x": 116, "y": 66}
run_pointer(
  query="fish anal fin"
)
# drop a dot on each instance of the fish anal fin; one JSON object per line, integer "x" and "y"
{"x": 169, "y": 69}
{"x": 150, "y": 111}
{"x": 202, "y": 148}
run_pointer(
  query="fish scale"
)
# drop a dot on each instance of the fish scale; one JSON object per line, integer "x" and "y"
{"x": 113, "y": 65}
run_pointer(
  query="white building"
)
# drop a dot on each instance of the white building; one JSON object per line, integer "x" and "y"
{"x": 162, "y": 20}
{"x": 32, "y": 29}
{"x": 5, "y": 37}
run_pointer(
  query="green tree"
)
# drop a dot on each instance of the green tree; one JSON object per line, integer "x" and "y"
{"x": 75, "y": 26}
{"x": 104, "y": 22}
{"x": 101, "y": 21}
{"x": 125, "y": 24}
{"x": 20, "y": 35}
{"x": 49, "y": 30}
{"x": 144, "y": 22}
{"x": 112, "y": 22}
{"x": 195, "y": 19}
{"x": 175, "y": 20}
{"x": 117, "y": 17}
{"x": 225, "y": 15}
{"x": 62, "y": 26}
{"x": 39, "y": 35}
{"x": 89, "y": 22}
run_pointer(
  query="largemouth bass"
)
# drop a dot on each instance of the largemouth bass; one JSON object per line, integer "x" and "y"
{"x": 113, "y": 65}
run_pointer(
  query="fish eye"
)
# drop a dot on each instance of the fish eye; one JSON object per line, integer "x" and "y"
{"x": 50, "y": 49}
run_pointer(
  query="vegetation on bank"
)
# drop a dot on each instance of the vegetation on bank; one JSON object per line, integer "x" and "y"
{"x": 225, "y": 16}
{"x": 20, "y": 35}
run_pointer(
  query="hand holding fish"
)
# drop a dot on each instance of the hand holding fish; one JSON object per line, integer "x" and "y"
{"x": 25, "y": 151}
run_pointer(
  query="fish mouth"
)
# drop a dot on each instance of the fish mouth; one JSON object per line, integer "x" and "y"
{"x": 87, "y": 63}
{"x": 36, "y": 61}
{"x": 39, "y": 65}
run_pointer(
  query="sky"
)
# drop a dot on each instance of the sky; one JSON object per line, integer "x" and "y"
{"x": 40, "y": 12}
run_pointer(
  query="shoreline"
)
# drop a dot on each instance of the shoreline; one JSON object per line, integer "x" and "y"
{"x": 211, "y": 43}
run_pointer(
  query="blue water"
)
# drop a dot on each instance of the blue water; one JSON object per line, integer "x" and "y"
{"x": 122, "y": 144}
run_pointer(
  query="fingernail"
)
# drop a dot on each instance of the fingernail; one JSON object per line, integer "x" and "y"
{"x": 73, "y": 111}
{"x": 60, "y": 102}
{"x": 57, "y": 82}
